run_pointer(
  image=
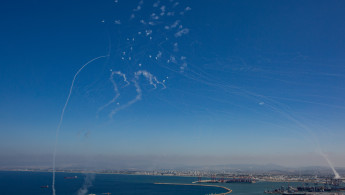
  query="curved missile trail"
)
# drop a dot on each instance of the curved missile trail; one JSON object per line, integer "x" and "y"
{"x": 116, "y": 90}
{"x": 123, "y": 76}
{"x": 137, "y": 98}
{"x": 62, "y": 115}
{"x": 152, "y": 79}
{"x": 148, "y": 76}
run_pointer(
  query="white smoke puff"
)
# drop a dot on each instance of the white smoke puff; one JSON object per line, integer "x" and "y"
{"x": 261, "y": 103}
{"x": 139, "y": 6}
{"x": 183, "y": 67}
{"x": 188, "y": 9}
{"x": 173, "y": 59}
{"x": 182, "y": 32}
{"x": 137, "y": 9}
{"x": 87, "y": 184}
{"x": 117, "y": 22}
{"x": 159, "y": 54}
{"x": 156, "y": 4}
{"x": 148, "y": 32}
{"x": 163, "y": 8}
{"x": 175, "y": 24}
{"x": 154, "y": 16}
{"x": 175, "y": 47}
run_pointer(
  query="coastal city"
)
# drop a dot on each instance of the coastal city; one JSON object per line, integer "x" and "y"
{"x": 282, "y": 182}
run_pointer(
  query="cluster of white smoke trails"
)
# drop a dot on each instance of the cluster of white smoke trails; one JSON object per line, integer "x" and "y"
{"x": 62, "y": 115}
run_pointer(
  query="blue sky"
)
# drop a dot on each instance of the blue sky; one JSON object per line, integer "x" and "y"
{"x": 233, "y": 78}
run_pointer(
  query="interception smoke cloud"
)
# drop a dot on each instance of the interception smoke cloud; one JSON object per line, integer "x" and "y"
{"x": 87, "y": 184}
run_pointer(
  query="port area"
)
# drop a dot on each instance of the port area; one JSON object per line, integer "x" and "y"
{"x": 332, "y": 186}
{"x": 228, "y": 189}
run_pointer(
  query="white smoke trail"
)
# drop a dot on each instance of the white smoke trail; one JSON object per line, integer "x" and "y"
{"x": 336, "y": 174}
{"x": 152, "y": 79}
{"x": 87, "y": 184}
{"x": 123, "y": 76}
{"x": 116, "y": 90}
{"x": 313, "y": 136}
{"x": 62, "y": 115}
{"x": 137, "y": 98}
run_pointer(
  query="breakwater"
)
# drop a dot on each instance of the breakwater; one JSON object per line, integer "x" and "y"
{"x": 228, "y": 189}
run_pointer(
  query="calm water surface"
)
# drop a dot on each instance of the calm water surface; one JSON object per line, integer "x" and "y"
{"x": 31, "y": 182}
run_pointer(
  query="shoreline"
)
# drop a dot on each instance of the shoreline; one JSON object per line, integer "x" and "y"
{"x": 182, "y": 184}
{"x": 91, "y": 172}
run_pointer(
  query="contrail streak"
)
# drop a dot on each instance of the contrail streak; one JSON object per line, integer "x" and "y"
{"x": 62, "y": 115}
{"x": 137, "y": 98}
{"x": 116, "y": 90}
{"x": 123, "y": 76}
{"x": 152, "y": 79}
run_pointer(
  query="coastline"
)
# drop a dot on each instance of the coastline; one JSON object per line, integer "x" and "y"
{"x": 182, "y": 184}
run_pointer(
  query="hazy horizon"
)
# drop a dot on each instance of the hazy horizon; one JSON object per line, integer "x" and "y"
{"x": 172, "y": 83}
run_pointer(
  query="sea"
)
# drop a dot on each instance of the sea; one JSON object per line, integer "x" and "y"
{"x": 25, "y": 182}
